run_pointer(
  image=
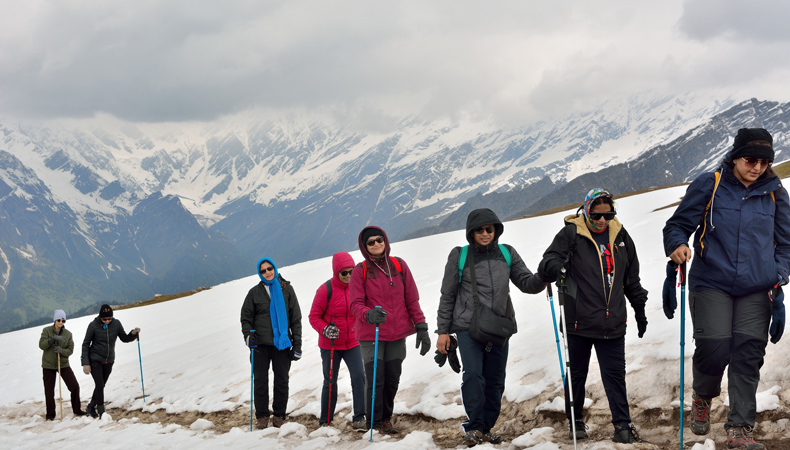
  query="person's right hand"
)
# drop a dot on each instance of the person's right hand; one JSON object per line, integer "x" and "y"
{"x": 376, "y": 316}
{"x": 331, "y": 331}
{"x": 681, "y": 255}
{"x": 87, "y": 369}
{"x": 250, "y": 341}
{"x": 443, "y": 343}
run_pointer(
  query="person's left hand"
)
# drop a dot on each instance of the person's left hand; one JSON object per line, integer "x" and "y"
{"x": 296, "y": 355}
{"x": 423, "y": 338}
{"x": 641, "y": 326}
{"x": 58, "y": 349}
{"x": 135, "y": 331}
{"x": 777, "y": 297}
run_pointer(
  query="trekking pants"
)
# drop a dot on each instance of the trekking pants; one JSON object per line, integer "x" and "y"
{"x": 280, "y": 361}
{"x": 50, "y": 378}
{"x": 353, "y": 359}
{"x": 611, "y": 360}
{"x": 730, "y": 331}
{"x": 390, "y": 359}
{"x": 483, "y": 382}
{"x": 100, "y": 373}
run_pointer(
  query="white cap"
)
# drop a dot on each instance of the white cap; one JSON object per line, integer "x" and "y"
{"x": 59, "y": 314}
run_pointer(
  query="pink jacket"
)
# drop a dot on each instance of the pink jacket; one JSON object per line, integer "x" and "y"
{"x": 337, "y": 310}
{"x": 384, "y": 286}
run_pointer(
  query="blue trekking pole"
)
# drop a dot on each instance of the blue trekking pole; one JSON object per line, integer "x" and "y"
{"x": 373, "y": 397}
{"x": 682, "y": 344}
{"x": 139, "y": 355}
{"x": 556, "y": 333}
{"x": 252, "y": 377}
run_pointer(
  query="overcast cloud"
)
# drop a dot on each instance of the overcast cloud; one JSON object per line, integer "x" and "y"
{"x": 371, "y": 61}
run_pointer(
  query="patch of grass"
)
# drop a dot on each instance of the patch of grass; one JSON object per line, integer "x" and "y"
{"x": 161, "y": 298}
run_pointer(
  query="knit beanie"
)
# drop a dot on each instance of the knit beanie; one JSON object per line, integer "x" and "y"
{"x": 368, "y": 233}
{"x": 746, "y": 135}
{"x": 59, "y": 314}
{"x": 105, "y": 311}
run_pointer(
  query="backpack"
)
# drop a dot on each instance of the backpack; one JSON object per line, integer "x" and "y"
{"x": 465, "y": 251}
{"x": 395, "y": 262}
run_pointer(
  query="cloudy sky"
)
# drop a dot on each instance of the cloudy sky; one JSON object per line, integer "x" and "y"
{"x": 371, "y": 61}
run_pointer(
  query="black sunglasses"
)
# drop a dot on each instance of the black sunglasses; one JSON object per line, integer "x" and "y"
{"x": 489, "y": 229}
{"x": 345, "y": 273}
{"x": 267, "y": 269}
{"x": 378, "y": 240}
{"x": 605, "y": 215}
{"x": 60, "y": 320}
{"x": 751, "y": 162}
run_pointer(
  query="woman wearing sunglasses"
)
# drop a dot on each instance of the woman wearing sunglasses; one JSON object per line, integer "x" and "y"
{"x": 331, "y": 317}
{"x": 56, "y": 341}
{"x": 594, "y": 261}
{"x": 272, "y": 311}
{"x": 740, "y": 214}
{"x": 384, "y": 297}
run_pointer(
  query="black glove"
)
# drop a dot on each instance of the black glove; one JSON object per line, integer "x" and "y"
{"x": 549, "y": 270}
{"x": 331, "y": 331}
{"x": 669, "y": 293}
{"x": 51, "y": 341}
{"x": 451, "y": 354}
{"x": 423, "y": 338}
{"x": 58, "y": 349}
{"x": 641, "y": 320}
{"x": 376, "y": 315}
{"x": 250, "y": 341}
{"x": 777, "y": 313}
{"x": 296, "y": 355}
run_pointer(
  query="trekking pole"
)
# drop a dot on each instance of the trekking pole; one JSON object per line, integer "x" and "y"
{"x": 556, "y": 333}
{"x": 568, "y": 379}
{"x": 60, "y": 389}
{"x": 331, "y": 367}
{"x": 140, "y": 356}
{"x": 373, "y": 397}
{"x": 682, "y": 344}
{"x": 252, "y": 377}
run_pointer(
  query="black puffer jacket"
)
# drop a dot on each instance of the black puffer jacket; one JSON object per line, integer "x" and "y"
{"x": 99, "y": 342}
{"x": 255, "y": 315}
{"x": 456, "y": 304}
{"x": 589, "y": 312}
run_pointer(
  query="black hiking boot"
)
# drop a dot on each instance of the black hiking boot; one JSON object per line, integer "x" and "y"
{"x": 581, "y": 430}
{"x": 699, "y": 421}
{"x": 92, "y": 411}
{"x": 492, "y": 438}
{"x": 625, "y": 434}
{"x": 472, "y": 438}
{"x": 741, "y": 438}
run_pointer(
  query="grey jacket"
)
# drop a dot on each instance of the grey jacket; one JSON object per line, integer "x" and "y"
{"x": 99, "y": 342}
{"x": 456, "y": 304}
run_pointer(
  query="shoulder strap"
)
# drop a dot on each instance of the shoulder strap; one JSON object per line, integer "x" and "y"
{"x": 462, "y": 261}
{"x": 328, "y": 293}
{"x": 395, "y": 262}
{"x": 506, "y": 254}
{"x": 717, "y": 176}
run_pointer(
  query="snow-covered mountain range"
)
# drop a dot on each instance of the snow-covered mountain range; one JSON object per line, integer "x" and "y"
{"x": 100, "y": 210}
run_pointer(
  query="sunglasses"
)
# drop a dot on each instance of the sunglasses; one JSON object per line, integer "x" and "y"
{"x": 267, "y": 269}
{"x": 378, "y": 240}
{"x": 60, "y": 320}
{"x": 605, "y": 215}
{"x": 106, "y": 319}
{"x": 345, "y": 273}
{"x": 489, "y": 229}
{"x": 751, "y": 162}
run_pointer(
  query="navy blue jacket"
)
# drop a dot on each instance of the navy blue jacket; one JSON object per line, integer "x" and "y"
{"x": 744, "y": 244}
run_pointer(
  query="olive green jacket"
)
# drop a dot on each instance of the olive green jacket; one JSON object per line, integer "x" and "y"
{"x": 49, "y": 360}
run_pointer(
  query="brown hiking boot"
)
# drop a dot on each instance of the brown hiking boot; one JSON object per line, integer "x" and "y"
{"x": 278, "y": 421}
{"x": 699, "y": 421}
{"x": 387, "y": 428}
{"x": 262, "y": 423}
{"x": 741, "y": 438}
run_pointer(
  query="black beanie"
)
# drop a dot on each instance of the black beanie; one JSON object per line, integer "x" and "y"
{"x": 746, "y": 135}
{"x": 105, "y": 311}
{"x": 368, "y": 232}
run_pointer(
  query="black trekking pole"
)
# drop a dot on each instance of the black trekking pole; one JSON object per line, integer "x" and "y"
{"x": 568, "y": 380}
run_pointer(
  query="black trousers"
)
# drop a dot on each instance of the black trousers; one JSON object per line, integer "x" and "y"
{"x": 100, "y": 373}
{"x": 389, "y": 362}
{"x": 280, "y": 362}
{"x": 50, "y": 379}
{"x": 611, "y": 360}
{"x": 483, "y": 382}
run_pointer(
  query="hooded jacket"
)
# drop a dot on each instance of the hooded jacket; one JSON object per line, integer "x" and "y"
{"x": 384, "y": 286}
{"x": 49, "y": 360}
{"x": 255, "y": 314}
{"x": 337, "y": 309}
{"x": 744, "y": 244}
{"x": 589, "y": 311}
{"x": 456, "y": 304}
{"x": 99, "y": 343}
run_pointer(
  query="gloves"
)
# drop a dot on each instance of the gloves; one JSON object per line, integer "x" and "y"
{"x": 641, "y": 320}
{"x": 441, "y": 358}
{"x": 669, "y": 293}
{"x": 549, "y": 270}
{"x": 58, "y": 349}
{"x": 86, "y": 369}
{"x": 51, "y": 341}
{"x": 135, "y": 331}
{"x": 250, "y": 341}
{"x": 777, "y": 313}
{"x": 331, "y": 331}
{"x": 423, "y": 338}
{"x": 296, "y": 355}
{"x": 376, "y": 315}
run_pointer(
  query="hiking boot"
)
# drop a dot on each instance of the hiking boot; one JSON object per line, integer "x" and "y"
{"x": 359, "y": 426}
{"x": 473, "y": 437}
{"x": 625, "y": 434}
{"x": 100, "y": 410}
{"x": 699, "y": 421}
{"x": 92, "y": 411}
{"x": 80, "y": 413}
{"x": 387, "y": 428}
{"x": 581, "y": 430}
{"x": 277, "y": 421}
{"x": 262, "y": 423}
{"x": 741, "y": 438}
{"x": 492, "y": 438}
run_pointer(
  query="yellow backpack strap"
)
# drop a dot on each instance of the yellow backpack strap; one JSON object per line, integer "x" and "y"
{"x": 717, "y": 175}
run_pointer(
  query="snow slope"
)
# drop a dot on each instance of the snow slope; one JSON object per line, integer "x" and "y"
{"x": 196, "y": 366}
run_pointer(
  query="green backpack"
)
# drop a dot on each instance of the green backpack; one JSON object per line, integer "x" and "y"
{"x": 465, "y": 250}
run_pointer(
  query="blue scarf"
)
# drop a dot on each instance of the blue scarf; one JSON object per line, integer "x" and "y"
{"x": 277, "y": 309}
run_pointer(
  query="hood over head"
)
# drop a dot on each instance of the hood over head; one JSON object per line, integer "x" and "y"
{"x": 480, "y": 217}
{"x": 366, "y": 233}
{"x": 340, "y": 261}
